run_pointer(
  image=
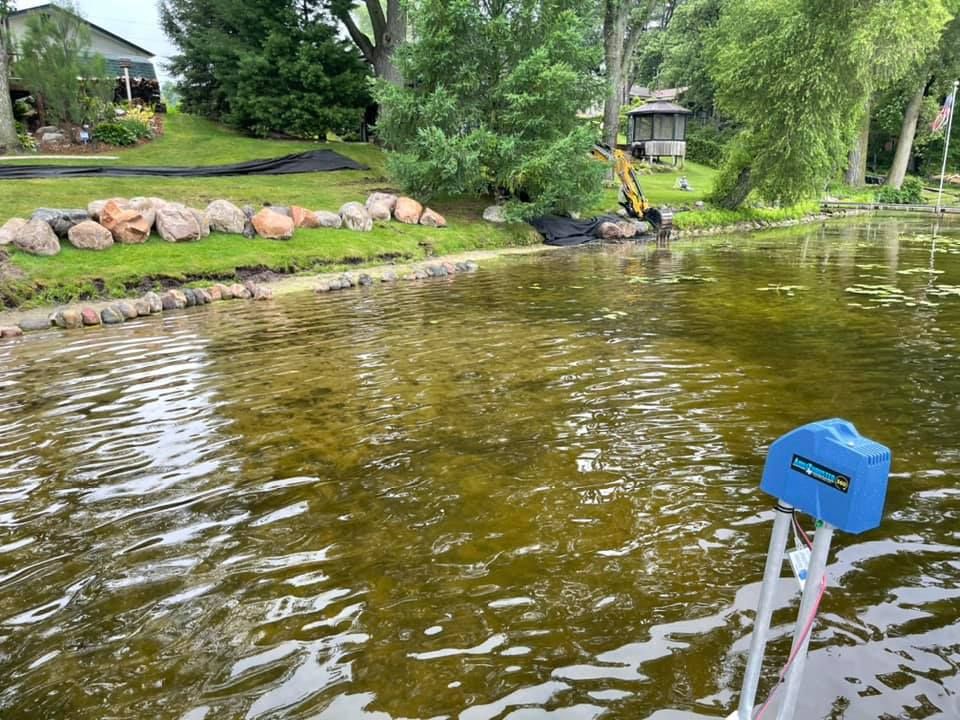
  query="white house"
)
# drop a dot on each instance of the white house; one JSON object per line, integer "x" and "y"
{"x": 123, "y": 57}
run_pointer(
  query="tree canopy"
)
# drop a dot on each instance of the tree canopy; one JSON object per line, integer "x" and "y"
{"x": 797, "y": 85}
{"x": 491, "y": 100}
{"x": 266, "y": 66}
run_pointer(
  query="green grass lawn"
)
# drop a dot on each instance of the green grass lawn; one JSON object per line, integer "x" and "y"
{"x": 78, "y": 274}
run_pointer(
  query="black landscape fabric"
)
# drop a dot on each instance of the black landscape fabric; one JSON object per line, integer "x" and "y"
{"x": 305, "y": 162}
{"x": 567, "y": 231}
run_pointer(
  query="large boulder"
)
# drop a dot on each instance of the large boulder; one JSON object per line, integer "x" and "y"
{"x": 609, "y": 231}
{"x": 408, "y": 211}
{"x": 431, "y": 218}
{"x": 60, "y": 220}
{"x": 628, "y": 229}
{"x": 356, "y": 217}
{"x": 147, "y": 207}
{"x": 495, "y": 214}
{"x": 380, "y": 205}
{"x": 328, "y": 219}
{"x": 37, "y": 238}
{"x": 53, "y": 141}
{"x": 226, "y": 217}
{"x": 177, "y": 224}
{"x": 9, "y": 229}
{"x": 94, "y": 207}
{"x": 127, "y": 226}
{"x": 303, "y": 217}
{"x": 382, "y": 198}
{"x": 67, "y": 318}
{"x": 273, "y": 225}
{"x": 89, "y": 235}
{"x": 202, "y": 221}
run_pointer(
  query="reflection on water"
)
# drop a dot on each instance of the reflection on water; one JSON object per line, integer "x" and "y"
{"x": 526, "y": 493}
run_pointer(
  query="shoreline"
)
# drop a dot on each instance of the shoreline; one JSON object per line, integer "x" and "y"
{"x": 288, "y": 284}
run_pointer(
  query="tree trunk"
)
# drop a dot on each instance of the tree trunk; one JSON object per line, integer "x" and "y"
{"x": 738, "y": 193}
{"x": 856, "y": 174}
{"x": 389, "y": 32}
{"x": 614, "y": 34}
{"x": 898, "y": 169}
{"x": 8, "y": 130}
{"x": 393, "y": 36}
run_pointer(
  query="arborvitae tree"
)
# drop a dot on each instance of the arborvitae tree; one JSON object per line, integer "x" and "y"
{"x": 266, "y": 66}
{"x": 491, "y": 102}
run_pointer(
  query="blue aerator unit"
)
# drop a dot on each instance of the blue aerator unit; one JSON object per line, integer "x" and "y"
{"x": 828, "y": 470}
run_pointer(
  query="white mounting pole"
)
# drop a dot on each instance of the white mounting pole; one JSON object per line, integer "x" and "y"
{"x": 946, "y": 145}
{"x": 126, "y": 79}
{"x": 811, "y": 592}
{"x": 761, "y": 625}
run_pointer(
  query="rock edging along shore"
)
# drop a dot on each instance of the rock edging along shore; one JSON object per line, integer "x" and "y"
{"x": 750, "y": 226}
{"x": 75, "y": 317}
{"x": 119, "y": 220}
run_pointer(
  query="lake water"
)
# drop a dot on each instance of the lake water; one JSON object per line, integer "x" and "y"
{"x": 529, "y": 493}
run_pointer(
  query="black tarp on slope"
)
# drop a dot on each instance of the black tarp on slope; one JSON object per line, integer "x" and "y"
{"x": 305, "y": 162}
{"x": 567, "y": 231}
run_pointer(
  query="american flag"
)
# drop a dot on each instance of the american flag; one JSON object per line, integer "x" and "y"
{"x": 941, "y": 120}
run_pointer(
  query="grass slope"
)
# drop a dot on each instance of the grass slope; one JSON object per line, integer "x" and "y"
{"x": 77, "y": 274}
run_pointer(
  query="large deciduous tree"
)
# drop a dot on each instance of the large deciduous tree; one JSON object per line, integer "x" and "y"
{"x": 266, "y": 65}
{"x": 797, "y": 84}
{"x": 490, "y": 103}
{"x": 935, "y": 73}
{"x": 8, "y": 128}
{"x": 387, "y": 31}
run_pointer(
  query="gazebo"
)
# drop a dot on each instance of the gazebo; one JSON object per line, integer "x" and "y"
{"x": 658, "y": 129}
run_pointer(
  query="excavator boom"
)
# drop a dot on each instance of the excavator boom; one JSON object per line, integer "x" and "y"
{"x": 633, "y": 200}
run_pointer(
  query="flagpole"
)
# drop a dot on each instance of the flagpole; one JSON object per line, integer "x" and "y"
{"x": 946, "y": 145}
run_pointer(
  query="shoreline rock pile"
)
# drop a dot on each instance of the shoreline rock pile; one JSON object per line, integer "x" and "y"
{"x": 131, "y": 221}
{"x": 73, "y": 317}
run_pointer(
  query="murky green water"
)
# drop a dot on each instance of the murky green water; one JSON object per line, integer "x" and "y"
{"x": 527, "y": 493}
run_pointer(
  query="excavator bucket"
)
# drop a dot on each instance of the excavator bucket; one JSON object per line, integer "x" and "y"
{"x": 661, "y": 221}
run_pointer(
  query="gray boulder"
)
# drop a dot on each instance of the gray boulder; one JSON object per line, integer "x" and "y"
{"x": 226, "y": 217}
{"x": 37, "y": 238}
{"x": 388, "y": 199}
{"x": 89, "y": 235}
{"x": 356, "y": 217}
{"x": 153, "y": 300}
{"x": 495, "y": 214}
{"x": 202, "y": 221}
{"x": 67, "y": 318}
{"x": 60, "y": 220}
{"x": 177, "y": 224}
{"x": 111, "y": 316}
{"x": 328, "y": 219}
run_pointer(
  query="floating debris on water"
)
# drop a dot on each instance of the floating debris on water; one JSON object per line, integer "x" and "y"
{"x": 787, "y": 290}
{"x": 670, "y": 279}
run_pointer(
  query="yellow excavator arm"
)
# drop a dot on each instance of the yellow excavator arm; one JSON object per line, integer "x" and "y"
{"x": 633, "y": 200}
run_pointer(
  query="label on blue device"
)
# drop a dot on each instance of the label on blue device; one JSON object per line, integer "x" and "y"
{"x": 836, "y": 480}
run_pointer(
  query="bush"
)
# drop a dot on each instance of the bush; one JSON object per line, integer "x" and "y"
{"x": 121, "y": 132}
{"x": 706, "y": 144}
{"x": 26, "y": 140}
{"x": 910, "y": 193}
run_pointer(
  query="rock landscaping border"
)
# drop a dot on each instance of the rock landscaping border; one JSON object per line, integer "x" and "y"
{"x": 75, "y": 317}
{"x": 119, "y": 220}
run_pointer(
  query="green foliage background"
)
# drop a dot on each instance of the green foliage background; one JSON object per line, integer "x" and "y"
{"x": 491, "y": 104}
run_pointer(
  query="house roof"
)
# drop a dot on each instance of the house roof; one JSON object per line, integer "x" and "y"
{"x": 137, "y": 69}
{"x": 114, "y": 36}
{"x": 660, "y": 107}
{"x": 641, "y": 91}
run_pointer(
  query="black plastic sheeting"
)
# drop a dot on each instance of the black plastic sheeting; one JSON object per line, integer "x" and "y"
{"x": 567, "y": 231}
{"x": 305, "y": 162}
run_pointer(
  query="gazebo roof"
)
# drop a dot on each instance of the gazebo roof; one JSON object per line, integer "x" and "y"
{"x": 660, "y": 107}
